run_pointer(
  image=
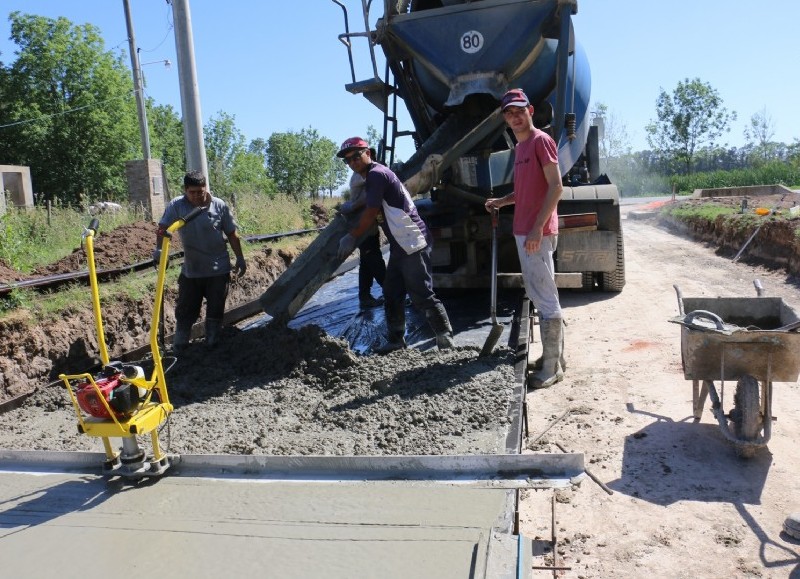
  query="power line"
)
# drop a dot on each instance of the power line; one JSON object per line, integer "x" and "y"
{"x": 16, "y": 123}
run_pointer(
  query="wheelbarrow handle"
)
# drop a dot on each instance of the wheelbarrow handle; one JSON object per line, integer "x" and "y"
{"x": 680, "y": 298}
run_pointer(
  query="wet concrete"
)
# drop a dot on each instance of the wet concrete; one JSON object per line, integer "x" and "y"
{"x": 70, "y": 525}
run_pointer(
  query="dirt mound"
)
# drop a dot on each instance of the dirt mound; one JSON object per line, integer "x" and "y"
{"x": 776, "y": 243}
{"x": 9, "y": 274}
{"x": 319, "y": 215}
{"x": 32, "y": 355}
{"x": 122, "y": 246}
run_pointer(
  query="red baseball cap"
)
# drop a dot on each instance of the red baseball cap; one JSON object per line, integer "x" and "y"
{"x": 350, "y": 144}
{"x": 514, "y": 98}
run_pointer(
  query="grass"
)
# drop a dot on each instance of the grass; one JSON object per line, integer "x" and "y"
{"x": 39, "y": 236}
{"x": 30, "y": 238}
{"x": 35, "y": 237}
{"x": 708, "y": 211}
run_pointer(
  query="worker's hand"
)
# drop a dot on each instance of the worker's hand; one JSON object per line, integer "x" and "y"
{"x": 346, "y": 208}
{"x": 241, "y": 267}
{"x": 346, "y": 246}
{"x": 533, "y": 241}
{"x": 156, "y": 257}
{"x": 492, "y": 203}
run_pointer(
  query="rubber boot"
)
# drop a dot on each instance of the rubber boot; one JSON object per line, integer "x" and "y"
{"x": 213, "y": 332}
{"x": 396, "y": 326}
{"x": 440, "y": 324}
{"x": 552, "y": 346}
{"x": 181, "y": 338}
{"x": 537, "y": 365}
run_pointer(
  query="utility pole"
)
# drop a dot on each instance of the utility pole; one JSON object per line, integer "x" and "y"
{"x": 190, "y": 93}
{"x": 138, "y": 86}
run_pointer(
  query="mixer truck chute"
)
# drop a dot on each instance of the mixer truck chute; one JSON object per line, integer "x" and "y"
{"x": 448, "y": 62}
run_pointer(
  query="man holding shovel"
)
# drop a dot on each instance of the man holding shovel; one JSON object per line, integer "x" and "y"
{"x": 537, "y": 189}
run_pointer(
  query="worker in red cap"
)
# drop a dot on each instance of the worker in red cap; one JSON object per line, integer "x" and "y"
{"x": 537, "y": 190}
{"x": 408, "y": 272}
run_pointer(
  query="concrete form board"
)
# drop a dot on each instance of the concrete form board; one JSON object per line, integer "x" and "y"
{"x": 71, "y": 525}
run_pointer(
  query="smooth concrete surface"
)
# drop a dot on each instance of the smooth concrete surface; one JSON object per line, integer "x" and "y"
{"x": 79, "y": 525}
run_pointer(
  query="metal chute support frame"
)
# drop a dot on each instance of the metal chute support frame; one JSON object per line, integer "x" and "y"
{"x": 450, "y": 62}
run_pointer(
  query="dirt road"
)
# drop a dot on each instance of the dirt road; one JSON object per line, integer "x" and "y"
{"x": 683, "y": 503}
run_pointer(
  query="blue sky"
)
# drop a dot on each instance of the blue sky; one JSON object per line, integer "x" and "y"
{"x": 278, "y": 66}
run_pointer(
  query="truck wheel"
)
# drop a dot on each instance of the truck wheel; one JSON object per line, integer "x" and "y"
{"x": 614, "y": 281}
{"x": 746, "y": 413}
{"x": 587, "y": 281}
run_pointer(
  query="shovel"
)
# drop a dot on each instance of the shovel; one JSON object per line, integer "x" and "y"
{"x": 497, "y": 328}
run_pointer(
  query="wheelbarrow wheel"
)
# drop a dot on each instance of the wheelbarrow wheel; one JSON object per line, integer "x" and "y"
{"x": 746, "y": 414}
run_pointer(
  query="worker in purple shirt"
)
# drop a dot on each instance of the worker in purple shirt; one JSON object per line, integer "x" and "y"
{"x": 409, "y": 269}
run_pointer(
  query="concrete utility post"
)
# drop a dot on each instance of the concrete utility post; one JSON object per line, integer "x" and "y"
{"x": 190, "y": 93}
{"x": 137, "y": 83}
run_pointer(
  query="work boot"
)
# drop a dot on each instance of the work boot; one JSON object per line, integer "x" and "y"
{"x": 440, "y": 324}
{"x": 213, "y": 332}
{"x": 552, "y": 348}
{"x": 392, "y": 346}
{"x": 366, "y": 301}
{"x": 537, "y": 365}
{"x": 180, "y": 340}
{"x": 396, "y": 327}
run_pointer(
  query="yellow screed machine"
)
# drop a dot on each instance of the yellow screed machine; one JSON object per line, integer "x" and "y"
{"x": 120, "y": 401}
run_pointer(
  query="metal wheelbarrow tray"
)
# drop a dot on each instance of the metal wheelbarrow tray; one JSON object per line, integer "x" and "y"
{"x": 752, "y": 341}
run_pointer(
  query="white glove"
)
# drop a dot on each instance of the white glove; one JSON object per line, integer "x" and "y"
{"x": 347, "y": 245}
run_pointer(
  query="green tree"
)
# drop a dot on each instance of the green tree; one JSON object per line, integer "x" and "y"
{"x": 692, "y": 116}
{"x": 167, "y": 143}
{"x": 613, "y": 136}
{"x": 224, "y": 142}
{"x": 69, "y": 110}
{"x": 758, "y": 135}
{"x": 234, "y": 167}
{"x": 303, "y": 163}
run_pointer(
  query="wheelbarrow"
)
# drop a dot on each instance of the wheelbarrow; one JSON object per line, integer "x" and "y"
{"x": 752, "y": 341}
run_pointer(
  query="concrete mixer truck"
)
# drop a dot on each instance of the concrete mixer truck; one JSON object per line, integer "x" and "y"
{"x": 448, "y": 63}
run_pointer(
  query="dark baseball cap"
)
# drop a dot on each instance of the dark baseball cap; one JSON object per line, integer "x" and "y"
{"x": 514, "y": 98}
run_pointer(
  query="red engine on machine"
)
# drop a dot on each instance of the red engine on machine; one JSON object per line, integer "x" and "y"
{"x": 122, "y": 397}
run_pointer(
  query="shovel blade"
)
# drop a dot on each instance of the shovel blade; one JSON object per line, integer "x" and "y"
{"x": 491, "y": 340}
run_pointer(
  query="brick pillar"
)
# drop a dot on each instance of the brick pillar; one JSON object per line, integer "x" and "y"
{"x": 146, "y": 186}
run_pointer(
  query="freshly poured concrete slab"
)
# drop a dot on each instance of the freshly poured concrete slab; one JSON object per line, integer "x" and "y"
{"x": 79, "y": 525}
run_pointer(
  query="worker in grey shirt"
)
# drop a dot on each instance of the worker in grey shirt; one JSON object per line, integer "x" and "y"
{"x": 371, "y": 265}
{"x": 206, "y": 265}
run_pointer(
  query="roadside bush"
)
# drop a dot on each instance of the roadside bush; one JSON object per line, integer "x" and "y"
{"x": 775, "y": 173}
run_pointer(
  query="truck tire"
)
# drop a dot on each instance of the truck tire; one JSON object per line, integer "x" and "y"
{"x": 614, "y": 281}
{"x": 745, "y": 415}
